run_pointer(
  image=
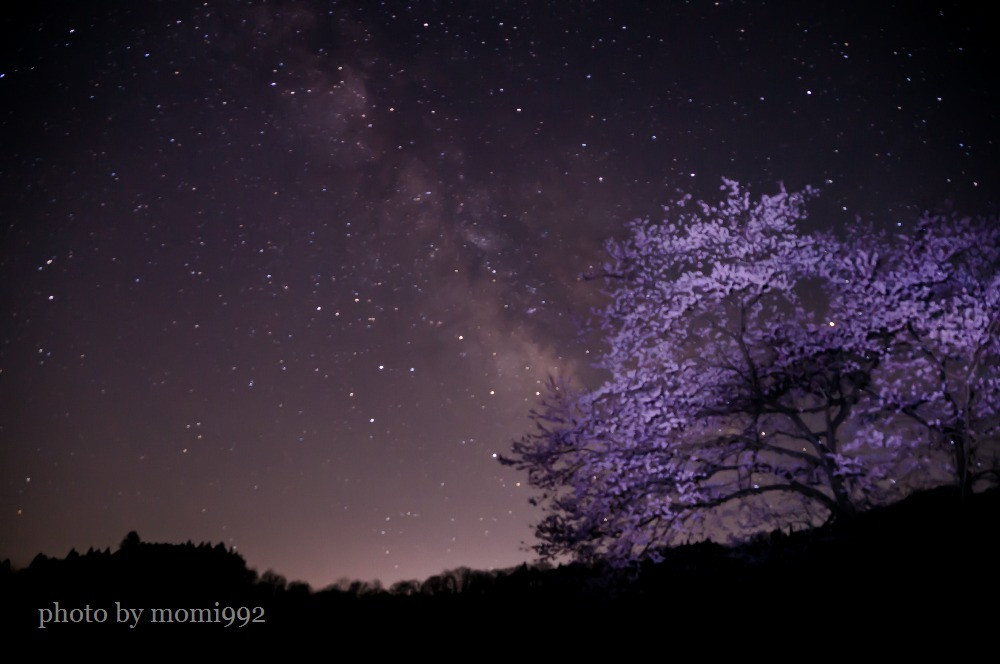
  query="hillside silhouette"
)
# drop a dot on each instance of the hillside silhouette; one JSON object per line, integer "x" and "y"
{"x": 931, "y": 559}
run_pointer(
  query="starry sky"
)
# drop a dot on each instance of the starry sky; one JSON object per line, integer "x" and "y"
{"x": 289, "y": 275}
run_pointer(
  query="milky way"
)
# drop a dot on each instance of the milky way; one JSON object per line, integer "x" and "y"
{"x": 288, "y": 276}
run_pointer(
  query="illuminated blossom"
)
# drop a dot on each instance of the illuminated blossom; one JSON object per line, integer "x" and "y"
{"x": 761, "y": 377}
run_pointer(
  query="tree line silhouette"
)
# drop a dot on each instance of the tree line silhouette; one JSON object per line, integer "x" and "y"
{"x": 932, "y": 554}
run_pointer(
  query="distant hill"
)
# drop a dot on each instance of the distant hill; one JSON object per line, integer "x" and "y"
{"x": 932, "y": 560}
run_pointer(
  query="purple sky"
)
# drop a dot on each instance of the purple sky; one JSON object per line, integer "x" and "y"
{"x": 287, "y": 276}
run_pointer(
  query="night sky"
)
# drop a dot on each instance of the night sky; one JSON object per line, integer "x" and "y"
{"x": 288, "y": 275}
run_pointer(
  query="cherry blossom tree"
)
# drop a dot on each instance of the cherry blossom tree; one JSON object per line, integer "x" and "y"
{"x": 758, "y": 375}
{"x": 935, "y": 296}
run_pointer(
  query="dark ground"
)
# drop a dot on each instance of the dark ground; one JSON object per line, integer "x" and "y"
{"x": 919, "y": 576}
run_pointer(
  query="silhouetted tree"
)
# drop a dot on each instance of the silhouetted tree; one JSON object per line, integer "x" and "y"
{"x": 131, "y": 541}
